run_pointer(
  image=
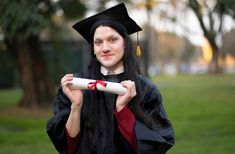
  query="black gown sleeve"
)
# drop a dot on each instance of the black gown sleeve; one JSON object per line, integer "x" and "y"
{"x": 56, "y": 124}
{"x": 156, "y": 137}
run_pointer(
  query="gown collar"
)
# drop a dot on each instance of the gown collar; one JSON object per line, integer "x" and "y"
{"x": 106, "y": 72}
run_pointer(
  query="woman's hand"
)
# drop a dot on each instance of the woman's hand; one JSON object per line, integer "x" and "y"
{"x": 123, "y": 100}
{"x": 75, "y": 95}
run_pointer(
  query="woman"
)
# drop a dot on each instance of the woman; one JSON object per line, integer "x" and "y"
{"x": 104, "y": 123}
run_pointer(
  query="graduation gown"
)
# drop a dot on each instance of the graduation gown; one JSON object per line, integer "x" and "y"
{"x": 156, "y": 138}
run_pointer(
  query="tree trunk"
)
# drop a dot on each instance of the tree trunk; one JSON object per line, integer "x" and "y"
{"x": 214, "y": 65}
{"x": 34, "y": 80}
{"x": 210, "y": 34}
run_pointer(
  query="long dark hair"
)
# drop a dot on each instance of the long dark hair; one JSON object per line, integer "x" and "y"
{"x": 95, "y": 123}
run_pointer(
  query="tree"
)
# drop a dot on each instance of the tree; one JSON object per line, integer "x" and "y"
{"x": 100, "y": 5}
{"x": 210, "y": 14}
{"x": 228, "y": 43}
{"x": 172, "y": 49}
{"x": 214, "y": 12}
{"x": 148, "y": 5}
{"x": 21, "y": 22}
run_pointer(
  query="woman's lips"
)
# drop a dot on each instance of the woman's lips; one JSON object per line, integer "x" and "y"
{"x": 107, "y": 56}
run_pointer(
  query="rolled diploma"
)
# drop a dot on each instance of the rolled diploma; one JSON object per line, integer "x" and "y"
{"x": 111, "y": 87}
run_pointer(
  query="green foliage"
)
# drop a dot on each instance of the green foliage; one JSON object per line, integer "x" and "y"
{"x": 22, "y": 17}
{"x": 195, "y": 6}
{"x": 101, "y": 4}
{"x": 28, "y": 17}
{"x": 6, "y": 70}
{"x": 228, "y": 6}
{"x": 72, "y": 8}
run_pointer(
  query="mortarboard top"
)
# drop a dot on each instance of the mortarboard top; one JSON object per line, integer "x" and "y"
{"x": 117, "y": 14}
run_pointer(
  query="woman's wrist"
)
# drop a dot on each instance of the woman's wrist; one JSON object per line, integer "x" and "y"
{"x": 76, "y": 107}
{"x": 119, "y": 107}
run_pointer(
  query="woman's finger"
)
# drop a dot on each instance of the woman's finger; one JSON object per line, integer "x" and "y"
{"x": 66, "y": 83}
{"x": 67, "y": 75}
{"x": 130, "y": 85}
{"x": 67, "y": 78}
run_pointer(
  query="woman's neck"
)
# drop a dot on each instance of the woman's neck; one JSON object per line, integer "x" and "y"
{"x": 109, "y": 71}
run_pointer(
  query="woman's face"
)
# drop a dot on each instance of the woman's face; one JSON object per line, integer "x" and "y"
{"x": 108, "y": 47}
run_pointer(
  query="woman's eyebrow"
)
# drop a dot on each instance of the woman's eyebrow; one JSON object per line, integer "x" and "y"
{"x": 108, "y": 37}
{"x": 97, "y": 39}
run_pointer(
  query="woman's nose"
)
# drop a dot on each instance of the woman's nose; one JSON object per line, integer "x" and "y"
{"x": 106, "y": 47}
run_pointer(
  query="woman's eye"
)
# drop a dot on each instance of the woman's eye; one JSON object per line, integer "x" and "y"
{"x": 98, "y": 43}
{"x": 113, "y": 40}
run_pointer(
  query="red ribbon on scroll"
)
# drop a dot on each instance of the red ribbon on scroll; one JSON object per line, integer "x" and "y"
{"x": 93, "y": 85}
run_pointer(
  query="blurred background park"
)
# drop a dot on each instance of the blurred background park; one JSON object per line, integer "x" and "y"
{"x": 187, "y": 50}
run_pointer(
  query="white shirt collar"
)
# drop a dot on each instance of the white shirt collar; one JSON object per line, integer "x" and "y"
{"x": 105, "y": 71}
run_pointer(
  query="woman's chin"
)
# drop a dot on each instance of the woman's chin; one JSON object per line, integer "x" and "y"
{"x": 107, "y": 64}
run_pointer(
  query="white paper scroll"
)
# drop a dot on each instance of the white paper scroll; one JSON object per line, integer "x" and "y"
{"x": 111, "y": 87}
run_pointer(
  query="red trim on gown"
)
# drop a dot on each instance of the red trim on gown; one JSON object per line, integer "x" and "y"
{"x": 126, "y": 123}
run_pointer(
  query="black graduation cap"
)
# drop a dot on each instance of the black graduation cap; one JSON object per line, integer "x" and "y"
{"x": 116, "y": 14}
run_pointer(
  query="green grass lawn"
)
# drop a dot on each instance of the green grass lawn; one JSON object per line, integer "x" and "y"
{"x": 22, "y": 131}
{"x": 201, "y": 108}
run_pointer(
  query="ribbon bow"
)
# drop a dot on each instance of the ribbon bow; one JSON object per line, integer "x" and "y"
{"x": 93, "y": 85}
